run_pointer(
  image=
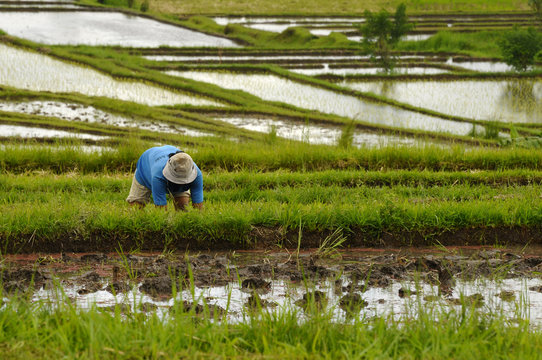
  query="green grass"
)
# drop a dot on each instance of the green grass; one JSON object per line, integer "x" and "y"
{"x": 90, "y": 212}
{"x": 292, "y": 156}
{"x": 36, "y": 331}
{"x": 479, "y": 43}
{"x": 320, "y": 7}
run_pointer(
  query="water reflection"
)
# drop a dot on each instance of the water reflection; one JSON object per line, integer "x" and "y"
{"x": 516, "y": 101}
{"x": 520, "y": 96}
{"x": 103, "y": 28}
{"x": 274, "y": 88}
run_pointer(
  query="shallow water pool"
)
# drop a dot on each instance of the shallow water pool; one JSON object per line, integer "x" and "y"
{"x": 103, "y": 28}
{"x": 88, "y": 114}
{"x": 515, "y": 101}
{"x": 29, "y": 70}
{"x": 273, "y": 88}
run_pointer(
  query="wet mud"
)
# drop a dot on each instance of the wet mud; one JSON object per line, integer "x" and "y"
{"x": 352, "y": 274}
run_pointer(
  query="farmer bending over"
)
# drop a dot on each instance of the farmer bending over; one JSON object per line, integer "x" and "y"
{"x": 166, "y": 169}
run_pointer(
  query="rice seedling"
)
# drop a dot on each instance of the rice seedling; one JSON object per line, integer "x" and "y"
{"x": 330, "y": 245}
{"x": 347, "y": 136}
{"x": 98, "y": 207}
{"x": 223, "y": 155}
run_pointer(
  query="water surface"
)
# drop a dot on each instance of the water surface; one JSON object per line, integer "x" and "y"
{"x": 103, "y": 28}
{"x": 315, "y": 134}
{"x": 369, "y": 71}
{"x": 514, "y": 101}
{"x": 35, "y": 132}
{"x": 88, "y": 114}
{"x": 273, "y": 88}
{"x": 28, "y": 70}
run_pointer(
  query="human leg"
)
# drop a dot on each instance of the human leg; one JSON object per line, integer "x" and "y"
{"x": 139, "y": 195}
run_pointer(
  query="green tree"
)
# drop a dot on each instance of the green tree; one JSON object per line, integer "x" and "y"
{"x": 381, "y": 34}
{"x": 520, "y": 46}
{"x": 536, "y": 5}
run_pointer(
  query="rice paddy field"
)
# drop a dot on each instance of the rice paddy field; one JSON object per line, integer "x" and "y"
{"x": 349, "y": 212}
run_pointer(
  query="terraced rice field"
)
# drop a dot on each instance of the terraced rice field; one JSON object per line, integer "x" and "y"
{"x": 348, "y": 212}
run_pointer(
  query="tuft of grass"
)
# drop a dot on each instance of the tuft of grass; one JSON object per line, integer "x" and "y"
{"x": 329, "y": 247}
{"x": 346, "y": 140}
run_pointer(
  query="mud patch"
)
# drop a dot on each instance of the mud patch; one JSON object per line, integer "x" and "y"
{"x": 359, "y": 283}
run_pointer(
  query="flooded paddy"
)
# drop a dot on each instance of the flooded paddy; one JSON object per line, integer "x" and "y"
{"x": 315, "y": 134}
{"x": 273, "y": 88}
{"x": 369, "y": 71}
{"x": 411, "y": 37}
{"x": 103, "y": 28}
{"x": 27, "y": 70}
{"x": 481, "y": 66}
{"x": 361, "y": 283}
{"x": 322, "y": 26}
{"x": 36, "y": 132}
{"x": 88, "y": 114}
{"x": 514, "y": 101}
{"x": 269, "y": 58}
{"x": 265, "y": 23}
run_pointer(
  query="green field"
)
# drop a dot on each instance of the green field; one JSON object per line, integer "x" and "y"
{"x": 324, "y": 8}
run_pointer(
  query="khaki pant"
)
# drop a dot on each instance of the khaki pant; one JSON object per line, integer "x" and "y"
{"x": 141, "y": 194}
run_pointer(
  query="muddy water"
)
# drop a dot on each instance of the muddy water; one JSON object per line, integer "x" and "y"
{"x": 356, "y": 284}
{"x": 88, "y": 114}
{"x": 273, "y": 88}
{"x": 32, "y": 71}
{"x": 516, "y": 101}
{"x": 315, "y": 134}
{"x": 35, "y": 132}
{"x": 102, "y": 28}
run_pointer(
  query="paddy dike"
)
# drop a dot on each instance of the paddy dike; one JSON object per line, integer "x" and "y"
{"x": 270, "y": 239}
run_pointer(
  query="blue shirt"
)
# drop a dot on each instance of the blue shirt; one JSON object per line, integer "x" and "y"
{"x": 149, "y": 174}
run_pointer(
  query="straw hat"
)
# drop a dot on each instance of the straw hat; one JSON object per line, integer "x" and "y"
{"x": 180, "y": 169}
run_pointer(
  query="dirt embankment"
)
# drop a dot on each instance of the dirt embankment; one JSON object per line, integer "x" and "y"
{"x": 271, "y": 238}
